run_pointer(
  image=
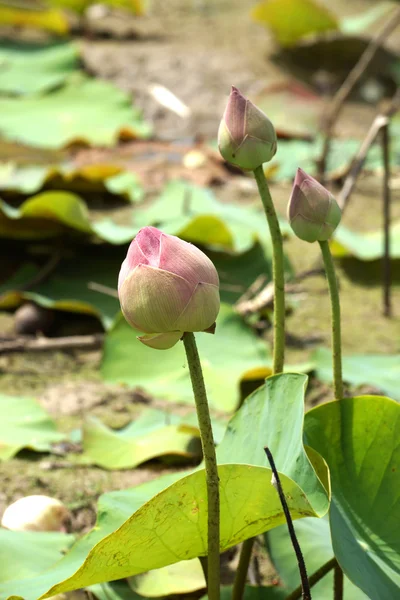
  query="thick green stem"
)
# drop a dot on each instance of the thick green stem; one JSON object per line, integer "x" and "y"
{"x": 335, "y": 307}
{"x": 279, "y": 339}
{"x": 278, "y": 270}
{"x": 210, "y": 460}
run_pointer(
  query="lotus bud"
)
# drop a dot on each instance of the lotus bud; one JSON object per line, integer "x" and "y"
{"x": 167, "y": 286}
{"x": 313, "y": 212}
{"x": 36, "y": 513}
{"x": 246, "y": 137}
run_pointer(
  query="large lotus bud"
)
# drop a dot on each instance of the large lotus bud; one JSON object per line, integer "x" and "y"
{"x": 36, "y": 513}
{"x": 313, "y": 212}
{"x": 167, "y": 286}
{"x": 246, "y": 137}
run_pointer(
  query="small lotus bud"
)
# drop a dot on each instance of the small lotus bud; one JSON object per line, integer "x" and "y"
{"x": 313, "y": 212}
{"x": 167, "y": 286}
{"x": 36, "y": 513}
{"x": 246, "y": 137}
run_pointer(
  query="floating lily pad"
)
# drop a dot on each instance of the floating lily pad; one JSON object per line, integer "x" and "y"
{"x": 25, "y": 424}
{"x": 154, "y": 434}
{"x": 95, "y": 179}
{"x": 180, "y": 578}
{"x": 360, "y": 440}
{"x": 365, "y": 246}
{"x": 379, "y": 370}
{"x": 290, "y": 20}
{"x": 33, "y": 68}
{"x": 89, "y": 111}
{"x": 68, "y": 288}
{"x": 232, "y": 354}
{"x": 195, "y": 214}
{"x": 38, "y": 17}
{"x": 52, "y": 213}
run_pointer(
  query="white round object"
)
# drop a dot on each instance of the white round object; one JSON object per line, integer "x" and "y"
{"x": 36, "y": 513}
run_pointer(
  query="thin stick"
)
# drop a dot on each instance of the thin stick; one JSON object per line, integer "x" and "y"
{"x": 378, "y": 123}
{"x": 336, "y": 328}
{"x": 352, "y": 78}
{"x": 387, "y": 278}
{"x": 44, "y": 272}
{"x": 74, "y": 342}
{"x": 210, "y": 460}
{"x": 102, "y": 289}
{"x": 338, "y": 583}
{"x": 278, "y": 271}
{"x": 306, "y": 593}
{"x": 314, "y": 578}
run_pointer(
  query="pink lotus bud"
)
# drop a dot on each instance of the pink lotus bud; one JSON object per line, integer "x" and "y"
{"x": 313, "y": 212}
{"x": 167, "y": 286}
{"x": 246, "y": 137}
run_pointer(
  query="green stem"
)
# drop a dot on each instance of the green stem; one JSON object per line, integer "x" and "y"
{"x": 242, "y": 569}
{"x": 277, "y": 268}
{"x": 279, "y": 339}
{"x": 210, "y": 460}
{"x": 335, "y": 308}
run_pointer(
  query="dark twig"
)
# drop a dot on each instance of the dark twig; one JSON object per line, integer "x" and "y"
{"x": 44, "y": 272}
{"x": 378, "y": 123}
{"x": 353, "y": 77}
{"x": 314, "y": 578}
{"x": 387, "y": 308}
{"x": 305, "y": 586}
{"x": 338, "y": 583}
{"x": 75, "y": 342}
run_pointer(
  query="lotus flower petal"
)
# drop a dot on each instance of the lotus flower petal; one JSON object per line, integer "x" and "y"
{"x": 152, "y": 299}
{"x": 186, "y": 260}
{"x": 201, "y": 310}
{"x": 161, "y": 341}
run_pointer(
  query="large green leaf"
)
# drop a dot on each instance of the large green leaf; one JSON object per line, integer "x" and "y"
{"x": 273, "y": 416}
{"x": 360, "y": 440}
{"x": 315, "y": 542}
{"x": 25, "y": 424}
{"x": 23, "y": 554}
{"x": 173, "y": 525}
{"x": 30, "y": 68}
{"x": 84, "y": 110}
{"x": 290, "y": 20}
{"x": 380, "y": 370}
{"x": 113, "y": 509}
{"x": 227, "y": 357}
{"x": 365, "y": 246}
{"x": 155, "y": 433}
